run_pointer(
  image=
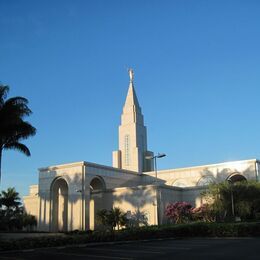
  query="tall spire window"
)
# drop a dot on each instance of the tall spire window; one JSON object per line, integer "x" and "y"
{"x": 127, "y": 150}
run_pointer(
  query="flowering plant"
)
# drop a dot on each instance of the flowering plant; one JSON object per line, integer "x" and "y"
{"x": 179, "y": 212}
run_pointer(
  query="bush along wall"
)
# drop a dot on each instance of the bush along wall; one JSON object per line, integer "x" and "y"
{"x": 151, "y": 232}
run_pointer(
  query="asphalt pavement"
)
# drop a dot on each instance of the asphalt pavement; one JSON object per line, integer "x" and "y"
{"x": 210, "y": 249}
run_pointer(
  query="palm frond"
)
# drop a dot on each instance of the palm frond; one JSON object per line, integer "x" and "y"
{"x": 17, "y": 132}
{"x": 17, "y": 146}
{"x": 3, "y": 93}
{"x": 16, "y": 107}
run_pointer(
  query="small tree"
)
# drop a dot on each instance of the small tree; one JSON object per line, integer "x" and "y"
{"x": 28, "y": 221}
{"x": 112, "y": 218}
{"x": 137, "y": 219}
{"x": 12, "y": 214}
{"x": 245, "y": 197}
{"x": 203, "y": 213}
{"x": 178, "y": 212}
{"x": 117, "y": 218}
{"x": 243, "y": 209}
{"x": 102, "y": 218}
{"x": 217, "y": 196}
{"x": 10, "y": 200}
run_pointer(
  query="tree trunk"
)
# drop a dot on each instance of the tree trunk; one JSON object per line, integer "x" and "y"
{"x": 0, "y": 163}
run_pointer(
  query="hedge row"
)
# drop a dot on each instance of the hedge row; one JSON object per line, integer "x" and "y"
{"x": 150, "y": 232}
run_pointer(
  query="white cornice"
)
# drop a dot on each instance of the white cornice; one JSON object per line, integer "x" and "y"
{"x": 83, "y": 163}
{"x": 61, "y": 166}
{"x": 100, "y": 166}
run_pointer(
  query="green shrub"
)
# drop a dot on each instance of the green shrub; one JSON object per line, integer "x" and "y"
{"x": 244, "y": 195}
{"x": 198, "y": 229}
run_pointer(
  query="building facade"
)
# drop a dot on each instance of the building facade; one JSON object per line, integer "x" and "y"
{"x": 68, "y": 196}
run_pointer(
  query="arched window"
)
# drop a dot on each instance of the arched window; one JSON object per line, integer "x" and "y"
{"x": 97, "y": 184}
{"x": 236, "y": 177}
{"x": 127, "y": 150}
{"x": 205, "y": 180}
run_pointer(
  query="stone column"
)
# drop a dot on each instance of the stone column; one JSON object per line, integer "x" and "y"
{"x": 87, "y": 210}
{"x": 85, "y": 199}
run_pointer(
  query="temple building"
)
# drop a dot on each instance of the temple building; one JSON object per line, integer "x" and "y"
{"x": 68, "y": 196}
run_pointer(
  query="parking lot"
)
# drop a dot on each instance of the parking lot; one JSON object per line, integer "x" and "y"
{"x": 219, "y": 248}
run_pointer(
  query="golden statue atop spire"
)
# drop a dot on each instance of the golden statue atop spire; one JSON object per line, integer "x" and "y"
{"x": 131, "y": 74}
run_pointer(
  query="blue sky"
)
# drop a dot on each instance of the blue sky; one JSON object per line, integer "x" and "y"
{"x": 196, "y": 69}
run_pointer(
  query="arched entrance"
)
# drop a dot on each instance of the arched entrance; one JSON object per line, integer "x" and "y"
{"x": 236, "y": 177}
{"x": 59, "y": 203}
{"x": 97, "y": 186}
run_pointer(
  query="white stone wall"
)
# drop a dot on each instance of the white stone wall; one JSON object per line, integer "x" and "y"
{"x": 124, "y": 189}
{"x": 140, "y": 198}
{"x": 113, "y": 178}
{"x": 129, "y": 199}
{"x": 72, "y": 174}
{"x": 191, "y": 177}
{"x": 78, "y": 177}
{"x": 150, "y": 200}
{"x": 165, "y": 196}
{"x": 31, "y": 202}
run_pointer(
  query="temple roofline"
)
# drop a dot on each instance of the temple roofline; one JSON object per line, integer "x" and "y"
{"x": 203, "y": 166}
{"x": 83, "y": 163}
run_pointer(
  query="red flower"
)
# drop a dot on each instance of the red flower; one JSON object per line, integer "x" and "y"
{"x": 178, "y": 212}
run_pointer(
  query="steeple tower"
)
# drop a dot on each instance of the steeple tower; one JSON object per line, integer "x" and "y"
{"x": 132, "y": 135}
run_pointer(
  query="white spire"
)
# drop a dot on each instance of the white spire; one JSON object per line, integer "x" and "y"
{"x": 132, "y": 135}
{"x": 131, "y": 98}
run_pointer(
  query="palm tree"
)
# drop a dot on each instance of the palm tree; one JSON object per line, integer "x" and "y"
{"x": 10, "y": 199}
{"x": 117, "y": 218}
{"x": 13, "y": 127}
{"x": 11, "y": 216}
{"x": 112, "y": 218}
